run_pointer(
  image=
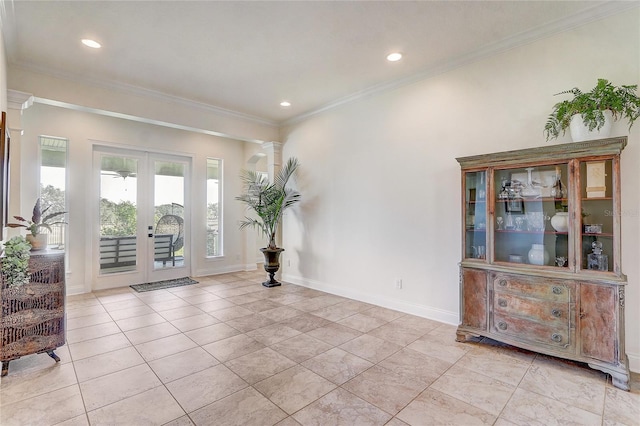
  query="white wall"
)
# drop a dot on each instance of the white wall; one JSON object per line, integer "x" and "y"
{"x": 3, "y": 74}
{"x": 381, "y": 184}
{"x": 82, "y": 128}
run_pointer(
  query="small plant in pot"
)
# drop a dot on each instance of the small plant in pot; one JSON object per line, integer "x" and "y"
{"x": 269, "y": 201}
{"x": 589, "y": 114}
{"x": 39, "y": 220}
{"x": 15, "y": 264}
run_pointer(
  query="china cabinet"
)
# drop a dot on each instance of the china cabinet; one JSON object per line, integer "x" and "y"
{"x": 541, "y": 252}
{"x": 33, "y": 314}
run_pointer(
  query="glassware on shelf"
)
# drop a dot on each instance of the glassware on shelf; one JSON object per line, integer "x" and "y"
{"x": 509, "y": 223}
{"x": 558, "y": 190}
{"x": 479, "y": 252}
{"x": 515, "y": 258}
{"x": 531, "y": 189}
{"x": 504, "y": 192}
{"x": 500, "y": 223}
{"x": 519, "y": 223}
{"x": 536, "y": 221}
{"x": 597, "y": 261}
{"x": 561, "y": 261}
{"x": 482, "y": 192}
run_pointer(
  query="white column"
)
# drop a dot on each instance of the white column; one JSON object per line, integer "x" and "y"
{"x": 274, "y": 158}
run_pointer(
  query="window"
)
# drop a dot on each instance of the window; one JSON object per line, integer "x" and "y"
{"x": 214, "y": 207}
{"x": 53, "y": 179}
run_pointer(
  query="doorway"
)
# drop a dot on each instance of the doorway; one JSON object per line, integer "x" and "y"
{"x": 142, "y": 220}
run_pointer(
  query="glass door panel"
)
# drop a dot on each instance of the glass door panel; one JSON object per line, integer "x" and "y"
{"x": 143, "y": 233}
{"x": 476, "y": 215}
{"x": 532, "y": 223}
{"x": 168, "y": 214}
{"x": 118, "y": 214}
{"x": 597, "y": 213}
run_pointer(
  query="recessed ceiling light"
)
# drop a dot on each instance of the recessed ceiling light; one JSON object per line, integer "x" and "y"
{"x": 91, "y": 43}
{"x": 285, "y": 104}
{"x": 393, "y": 57}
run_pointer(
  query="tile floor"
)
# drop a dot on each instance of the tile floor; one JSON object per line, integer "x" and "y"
{"x": 228, "y": 351}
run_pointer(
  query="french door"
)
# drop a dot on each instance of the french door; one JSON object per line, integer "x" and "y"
{"x": 141, "y": 223}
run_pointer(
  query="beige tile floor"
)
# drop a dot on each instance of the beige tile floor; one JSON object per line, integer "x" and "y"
{"x": 228, "y": 351}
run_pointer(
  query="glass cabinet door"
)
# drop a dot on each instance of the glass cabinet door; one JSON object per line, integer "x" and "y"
{"x": 597, "y": 214}
{"x": 531, "y": 215}
{"x": 475, "y": 215}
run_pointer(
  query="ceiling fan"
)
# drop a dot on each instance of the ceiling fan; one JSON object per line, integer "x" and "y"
{"x": 124, "y": 174}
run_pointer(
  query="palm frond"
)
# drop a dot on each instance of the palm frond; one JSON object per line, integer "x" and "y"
{"x": 268, "y": 200}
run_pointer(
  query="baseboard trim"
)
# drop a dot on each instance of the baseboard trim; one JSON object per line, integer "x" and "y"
{"x": 403, "y": 306}
{"x": 634, "y": 362}
{"x": 224, "y": 270}
{"x": 428, "y": 312}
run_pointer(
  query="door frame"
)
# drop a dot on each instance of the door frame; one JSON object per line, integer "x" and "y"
{"x": 140, "y": 274}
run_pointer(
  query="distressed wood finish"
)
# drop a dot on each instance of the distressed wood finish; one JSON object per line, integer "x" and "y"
{"x": 33, "y": 315}
{"x": 474, "y": 298}
{"x": 597, "y": 322}
{"x": 570, "y": 312}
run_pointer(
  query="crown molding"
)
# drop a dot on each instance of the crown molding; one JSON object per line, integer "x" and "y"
{"x": 558, "y": 26}
{"x": 143, "y": 92}
{"x": 144, "y": 120}
{"x": 19, "y": 100}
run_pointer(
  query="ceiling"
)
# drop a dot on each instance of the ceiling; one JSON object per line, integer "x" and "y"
{"x": 247, "y": 57}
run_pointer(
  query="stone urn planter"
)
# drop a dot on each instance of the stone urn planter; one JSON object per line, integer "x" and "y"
{"x": 271, "y": 265}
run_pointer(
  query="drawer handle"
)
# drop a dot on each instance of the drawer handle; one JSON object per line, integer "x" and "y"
{"x": 502, "y": 303}
{"x": 557, "y": 290}
{"x": 556, "y": 313}
{"x": 502, "y": 325}
{"x": 502, "y": 283}
{"x": 556, "y": 337}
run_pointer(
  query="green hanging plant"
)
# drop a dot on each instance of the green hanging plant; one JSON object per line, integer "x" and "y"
{"x": 15, "y": 264}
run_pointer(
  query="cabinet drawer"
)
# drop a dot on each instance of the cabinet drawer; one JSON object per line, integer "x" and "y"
{"x": 537, "y": 287}
{"x": 543, "y": 311}
{"x": 557, "y": 336}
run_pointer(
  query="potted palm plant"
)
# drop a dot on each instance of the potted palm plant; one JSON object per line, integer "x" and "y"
{"x": 39, "y": 220}
{"x": 268, "y": 201}
{"x": 589, "y": 114}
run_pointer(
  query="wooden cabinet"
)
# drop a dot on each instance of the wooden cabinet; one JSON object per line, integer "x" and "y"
{"x": 33, "y": 315}
{"x": 541, "y": 262}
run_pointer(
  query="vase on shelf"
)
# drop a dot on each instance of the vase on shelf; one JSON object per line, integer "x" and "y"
{"x": 538, "y": 255}
{"x": 560, "y": 221}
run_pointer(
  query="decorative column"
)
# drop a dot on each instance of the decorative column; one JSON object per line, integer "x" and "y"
{"x": 274, "y": 158}
{"x": 21, "y": 180}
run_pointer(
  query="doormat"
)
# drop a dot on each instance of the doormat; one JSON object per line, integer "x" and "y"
{"x": 158, "y": 285}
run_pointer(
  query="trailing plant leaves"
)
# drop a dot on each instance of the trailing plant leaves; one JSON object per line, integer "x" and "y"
{"x": 15, "y": 265}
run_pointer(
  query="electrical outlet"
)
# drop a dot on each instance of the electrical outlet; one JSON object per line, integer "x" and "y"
{"x": 399, "y": 283}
